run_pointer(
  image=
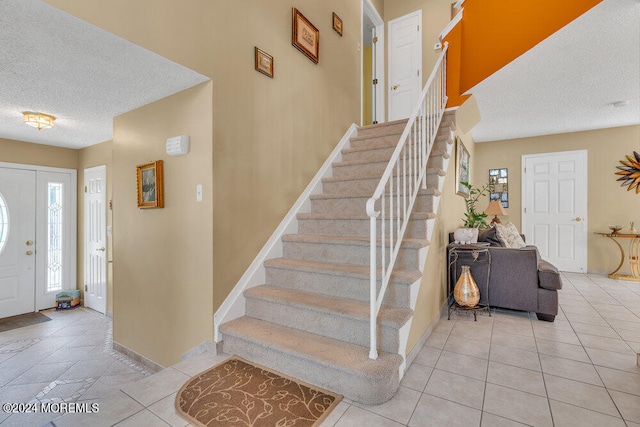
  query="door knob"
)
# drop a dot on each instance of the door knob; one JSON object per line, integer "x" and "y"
{"x": 102, "y": 249}
{"x": 577, "y": 219}
{"x": 29, "y": 252}
{"x": 29, "y": 242}
{"x": 395, "y": 87}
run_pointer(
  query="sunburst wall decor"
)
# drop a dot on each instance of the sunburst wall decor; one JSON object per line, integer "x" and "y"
{"x": 630, "y": 172}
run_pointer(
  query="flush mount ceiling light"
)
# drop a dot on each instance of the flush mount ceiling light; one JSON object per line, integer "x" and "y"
{"x": 38, "y": 120}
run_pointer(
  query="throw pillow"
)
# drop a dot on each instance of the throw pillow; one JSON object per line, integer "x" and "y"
{"x": 489, "y": 235}
{"x": 509, "y": 236}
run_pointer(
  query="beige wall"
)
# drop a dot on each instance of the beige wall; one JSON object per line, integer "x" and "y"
{"x": 433, "y": 291}
{"x": 608, "y": 203}
{"x": 270, "y": 136}
{"x": 95, "y": 155}
{"x": 162, "y": 297}
{"x": 37, "y": 154}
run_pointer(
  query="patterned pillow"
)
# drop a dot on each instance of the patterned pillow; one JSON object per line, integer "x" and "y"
{"x": 509, "y": 236}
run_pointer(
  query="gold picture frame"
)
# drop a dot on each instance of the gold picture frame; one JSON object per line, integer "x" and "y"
{"x": 337, "y": 24}
{"x": 263, "y": 62}
{"x": 150, "y": 185}
{"x": 305, "y": 37}
{"x": 463, "y": 164}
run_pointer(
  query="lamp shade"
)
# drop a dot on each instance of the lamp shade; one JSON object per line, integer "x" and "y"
{"x": 495, "y": 208}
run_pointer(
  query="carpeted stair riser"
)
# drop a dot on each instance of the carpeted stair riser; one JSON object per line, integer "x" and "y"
{"x": 344, "y": 326}
{"x": 373, "y": 154}
{"x": 326, "y": 225}
{"x": 434, "y": 176}
{"x": 396, "y": 127}
{"x": 349, "y": 252}
{"x": 349, "y": 185}
{"x": 354, "y": 286}
{"x": 315, "y": 359}
{"x": 357, "y": 205}
{"x": 374, "y": 142}
{"x": 358, "y": 170}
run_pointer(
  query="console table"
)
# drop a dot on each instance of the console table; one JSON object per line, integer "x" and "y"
{"x": 634, "y": 255}
{"x": 471, "y": 253}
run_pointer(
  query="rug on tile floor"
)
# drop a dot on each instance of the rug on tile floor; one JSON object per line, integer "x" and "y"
{"x": 240, "y": 393}
{"x": 22, "y": 320}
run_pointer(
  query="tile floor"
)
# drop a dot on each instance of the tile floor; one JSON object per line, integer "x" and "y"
{"x": 506, "y": 370}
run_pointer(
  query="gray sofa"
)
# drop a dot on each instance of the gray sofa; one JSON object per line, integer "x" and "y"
{"x": 519, "y": 279}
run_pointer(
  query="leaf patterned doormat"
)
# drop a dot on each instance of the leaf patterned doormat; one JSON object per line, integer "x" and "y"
{"x": 241, "y": 393}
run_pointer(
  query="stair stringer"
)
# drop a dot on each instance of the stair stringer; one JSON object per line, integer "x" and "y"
{"x": 414, "y": 288}
{"x": 233, "y": 306}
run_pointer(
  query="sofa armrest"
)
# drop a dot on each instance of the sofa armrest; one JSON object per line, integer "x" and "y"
{"x": 548, "y": 276}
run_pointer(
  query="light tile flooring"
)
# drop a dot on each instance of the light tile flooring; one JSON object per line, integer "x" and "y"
{"x": 506, "y": 370}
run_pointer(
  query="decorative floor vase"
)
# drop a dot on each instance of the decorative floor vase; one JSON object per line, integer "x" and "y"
{"x": 466, "y": 292}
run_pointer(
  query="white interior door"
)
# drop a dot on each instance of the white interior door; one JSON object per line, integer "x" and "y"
{"x": 95, "y": 240}
{"x": 405, "y": 64}
{"x": 554, "y": 204}
{"x": 17, "y": 237}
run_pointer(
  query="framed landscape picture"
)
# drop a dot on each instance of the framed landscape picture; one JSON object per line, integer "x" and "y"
{"x": 463, "y": 162}
{"x": 150, "y": 185}
{"x": 306, "y": 37}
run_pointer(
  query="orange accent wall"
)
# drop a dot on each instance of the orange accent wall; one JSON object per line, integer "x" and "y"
{"x": 495, "y": 32}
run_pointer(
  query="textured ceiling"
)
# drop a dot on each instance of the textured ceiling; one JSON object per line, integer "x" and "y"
{"x": 57, "y": 64}
{"x": 570, "y": 81}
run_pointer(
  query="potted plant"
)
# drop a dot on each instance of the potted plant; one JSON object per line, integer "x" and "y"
{"x": 473, "y": 219}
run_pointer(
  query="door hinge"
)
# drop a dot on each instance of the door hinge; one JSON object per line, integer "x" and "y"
{"x": 85, "y": 188}
{"x": 418, "y": 28}
{"x": 525, "y": 210}
{"x": 375, "y": 81}
{"x": 418, "y": 73}
{"x": 375, "y": 40}
{"x": 86, "y": 288}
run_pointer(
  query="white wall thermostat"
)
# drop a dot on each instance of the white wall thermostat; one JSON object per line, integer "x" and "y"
{"x": 178, "y": 145}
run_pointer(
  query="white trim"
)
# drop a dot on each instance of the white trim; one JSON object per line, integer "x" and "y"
{"x": 37, "y": 168}
{"x": 234, "y": 305}
{"x": 450, "y": 26}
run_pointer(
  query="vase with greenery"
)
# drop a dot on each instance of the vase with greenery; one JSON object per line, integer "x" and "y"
{"x": 474, "y": 218}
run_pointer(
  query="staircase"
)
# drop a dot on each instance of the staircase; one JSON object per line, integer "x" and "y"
{"x": 310, "y": 319}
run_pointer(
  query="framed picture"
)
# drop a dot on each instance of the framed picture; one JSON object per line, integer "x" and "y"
{"x": 264, "y": 62}
{"x": 306, "y": 37}
{"x": 150, "y": 186}
{"x": 337, "y": 24}
{"x": 499, "y": 184}
{"x": 463, "y": 162}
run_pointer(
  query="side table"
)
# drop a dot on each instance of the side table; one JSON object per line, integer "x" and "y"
{"x": 467, "y": 254}
{"x": 634, "y": 255}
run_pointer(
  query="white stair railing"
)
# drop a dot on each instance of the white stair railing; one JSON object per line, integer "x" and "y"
{"x": 399, "y": 186}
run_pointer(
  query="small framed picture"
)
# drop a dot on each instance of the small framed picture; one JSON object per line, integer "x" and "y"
{"x": 305, "y": 37}
{"x": 150, "y": 186}
{"x": 264, "y": 62}
{"x": 337, "y": 24}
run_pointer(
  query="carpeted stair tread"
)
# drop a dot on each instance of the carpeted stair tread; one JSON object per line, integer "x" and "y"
{"x": 348, "y": 240}
{"x": 327, "y": 352}
{"x": 331, "y": 268}
{"x": 415, "y": 216}
{"x": 389, "y": 316}
{"x": 383, "y": 125}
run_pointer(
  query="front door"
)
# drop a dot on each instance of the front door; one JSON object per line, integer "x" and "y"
{"x": 405, "y": 65}
{"x": 95, "y": 240}
{"x": 17, "y": 241}
{"x": 555, "y": 207}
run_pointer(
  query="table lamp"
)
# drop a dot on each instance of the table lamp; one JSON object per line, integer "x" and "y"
{"x": 495, "y": 208}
